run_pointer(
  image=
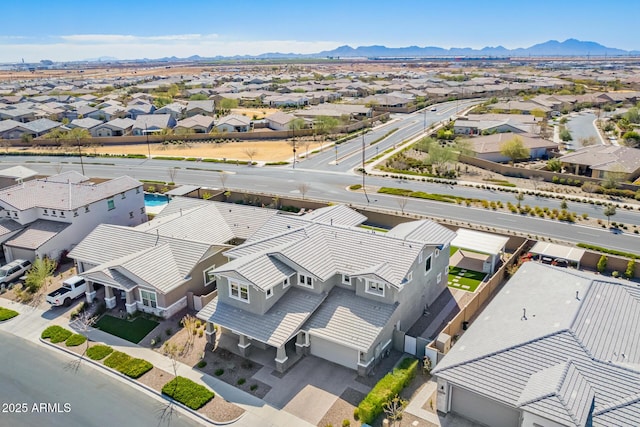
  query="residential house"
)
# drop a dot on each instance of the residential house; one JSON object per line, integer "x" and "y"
{"x": 279, "y": 120}
{"x": 88, "y": 124}
{"x": 233, "y": 123}
{"x": 555, "y": 347}
{"x": 204, "y": 108}
{"x": 287, "y": 100}
{"x": 133, "y": 110}
{"x": 523, "y": 107}
{"x": 489, "y": 147}
{"x": 280, "y": 292}
{"x": 198, "y": 124}
{"x": 598, "y": 160}
{"x": 156, "y": 265}
{"x": 175, "y": 110}
{"x": 55, "y": 213}
{"x": 115, "y": 127}
{"x": 465, "y": 126}
{"x": 15, "y": 175}
{"x": 152, "y": 123}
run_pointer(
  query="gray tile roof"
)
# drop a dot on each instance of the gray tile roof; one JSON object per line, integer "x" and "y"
{"x": 276, "y": 327}
{"x": 42, "y": 125}
{"x": 503, "y": 350}
{"x": 36, "y": 234}
{"x": 148, "y": 258}
{"x": 52, "y": 194}
{"x": 606, "y": 158}
{"x": 207, "y": 221}
{"x": 337, "y": 214}
{"x": 423, "y": 231}
{"x": 349, "y": 320}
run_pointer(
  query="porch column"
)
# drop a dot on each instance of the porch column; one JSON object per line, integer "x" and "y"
{"x": 131, "y": 305}
{"x": 244, "y": 344}
{"x": 109, "y": 298}
{"x": 281, "y": 358}
{"x": 90, "y": 292}
{"x": 302, "y": 344}
{"x": 211, "y": 334}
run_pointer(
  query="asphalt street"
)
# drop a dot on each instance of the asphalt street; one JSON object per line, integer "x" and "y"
{"x": 86, "y": 397}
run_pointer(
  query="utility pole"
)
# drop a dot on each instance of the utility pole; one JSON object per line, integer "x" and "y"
{"x": 148, "y": 145}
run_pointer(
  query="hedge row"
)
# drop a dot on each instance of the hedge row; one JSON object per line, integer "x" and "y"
{"x": 418, "y": 194}
{"x": 188, "y": 392}
{"x": 389, "y": 386}
{"x": 608, "y": 251}
{"x": 127, "y": 365}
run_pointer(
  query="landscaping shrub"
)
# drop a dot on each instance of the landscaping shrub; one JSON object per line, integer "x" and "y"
{"x": 390, "y": 385}
{"x": 253, "y": 387}
{"x": 607, "y": 250}
{"x": 201, "y": 364}
{"x": 6, "y": 314}
{"x": 99, "y": 352}
{"x": 75, "y": 340}
{"x": 56, "y": 334}
{"x": 116, "y": 360}
{"x": 219, "y": 372}
{"x": 241, "y": 381}
{"x": 187, "y": 392}
{"x": 355, "y": 187}
{"x": 629, "y": 272}
{"x": 135, "y": 368}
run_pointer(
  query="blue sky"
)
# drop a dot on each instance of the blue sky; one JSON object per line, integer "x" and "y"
{"x": 64, "y": 30}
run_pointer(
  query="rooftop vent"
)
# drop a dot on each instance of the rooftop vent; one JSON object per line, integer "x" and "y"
{"x": 524, "y": 314}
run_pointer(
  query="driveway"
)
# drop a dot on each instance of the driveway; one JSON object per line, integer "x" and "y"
{"x": 309, "y": 388}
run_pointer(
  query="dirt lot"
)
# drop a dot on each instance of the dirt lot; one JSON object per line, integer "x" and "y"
{"x": 265, "y": 151}
{"x": 259, "y": 113}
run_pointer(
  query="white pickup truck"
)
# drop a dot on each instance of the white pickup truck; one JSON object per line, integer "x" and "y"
{"x": 71, "y": 289}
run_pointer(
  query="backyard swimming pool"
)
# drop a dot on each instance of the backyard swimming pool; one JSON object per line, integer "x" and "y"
{"x": 153, "y": 200}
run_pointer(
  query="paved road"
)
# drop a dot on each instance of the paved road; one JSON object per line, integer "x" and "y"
{"x": 92, "y": 397}
{"x": 581, "y": 127}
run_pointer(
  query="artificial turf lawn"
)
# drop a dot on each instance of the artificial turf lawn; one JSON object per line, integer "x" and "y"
{"x": 131, "y": 330}
{"x": 471, "y": 279}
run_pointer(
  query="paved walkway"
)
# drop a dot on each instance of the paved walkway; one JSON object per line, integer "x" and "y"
{"x": 32, "y": 321}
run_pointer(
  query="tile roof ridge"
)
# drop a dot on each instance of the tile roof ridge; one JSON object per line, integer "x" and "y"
{"x": 617, "y": 404}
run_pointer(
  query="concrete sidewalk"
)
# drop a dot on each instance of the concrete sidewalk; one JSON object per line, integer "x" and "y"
{"x": 32, "y": 321}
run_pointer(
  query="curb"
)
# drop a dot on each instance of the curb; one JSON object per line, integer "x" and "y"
{"x": 144, "y": 386}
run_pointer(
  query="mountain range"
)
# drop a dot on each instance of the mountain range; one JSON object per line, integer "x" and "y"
{"x": 569, "y": 47}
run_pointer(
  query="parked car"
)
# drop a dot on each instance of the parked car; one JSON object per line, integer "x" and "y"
{"x": 72, "y": 288}
{"x": 12, "y": 271}
{"x": 434, "y": 109}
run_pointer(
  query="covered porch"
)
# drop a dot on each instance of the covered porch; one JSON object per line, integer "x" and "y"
{"x": 277, "y": 330}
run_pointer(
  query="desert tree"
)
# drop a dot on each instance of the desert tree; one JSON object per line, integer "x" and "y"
{"x": 223, "y": 180}
{"x": 303, "y": 188}
{"x": 609, "y": 211}
{"x": 514, "y": 149}
{"x": 394, "y": 409}
{"x": 251, "y": 153}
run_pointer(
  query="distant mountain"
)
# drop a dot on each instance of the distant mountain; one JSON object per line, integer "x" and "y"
{"x": 569, "y": 47}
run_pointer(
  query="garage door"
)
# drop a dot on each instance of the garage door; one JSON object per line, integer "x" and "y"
{"x": 482, "y": 410}
{"x": 333, "y": 352}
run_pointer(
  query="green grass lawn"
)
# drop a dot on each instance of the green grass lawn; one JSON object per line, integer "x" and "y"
{"x": 130, "y": 330}
{"x": 469, "y": 281}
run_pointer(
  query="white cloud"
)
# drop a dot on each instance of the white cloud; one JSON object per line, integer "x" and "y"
{"x": 78, "y": 47}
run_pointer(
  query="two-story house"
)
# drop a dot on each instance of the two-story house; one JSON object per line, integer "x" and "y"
{"x": 44, "y": 217}
{"x": 319, "y": 284}
{"x": 155, "y": 266}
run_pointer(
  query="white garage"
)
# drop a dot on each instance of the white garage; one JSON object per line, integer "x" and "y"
{"x": 482, "y": 410}
{"x": 333, "y": 352}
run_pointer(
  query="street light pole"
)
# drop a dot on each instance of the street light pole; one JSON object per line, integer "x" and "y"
{"x": 336, "y": 147}
{"x": 364, "y": 172}
{"x": 80, "y": 153}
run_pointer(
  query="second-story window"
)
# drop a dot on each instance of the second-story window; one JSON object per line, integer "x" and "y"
{"x": 306, "y": 281}
{"x": 238, "y": 291}
{"x": 86, "y": 209}
{"x": 269, "y": 293}
{"x": 111, "y": 204}
{"x": 375, "y": 288}
{"x": 285, "y": 283}
{"x": 123, "y": 195}
{"x": 46, "y": 212}
{"x": 427, "y": 265}
{"x": 346, "y": 280}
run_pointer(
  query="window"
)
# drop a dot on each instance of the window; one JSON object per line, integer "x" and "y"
{"x": 238, "y": 291}
{"x": 86, "y": 209}
{"x": 375, "y": 288}
{"x": 46, "y": 212}
{"x": 75, "y": 213}
{"x": 305, "y": 281}
{"x": 111, "y": 204}
{"x": 209, "y": 277}
{"x": 437, "y": 252}
{"x": 269, "y": 293}
{"x": 15, "y": 214}
{"x": 285, "y": 283}
{"x": 53, "y": 213}
{"x": 142, "y": 211}
{"x": 148, "y": 298}
{"x": 346, "y": 280}
{"x": 439, "y": 278}
{"x": 427, "y": 265}
{"x": 62, "y": 214}
{"x": 123, "y": 195}
{"x": 131, "y": 214}
{"x": 137, "y": 190}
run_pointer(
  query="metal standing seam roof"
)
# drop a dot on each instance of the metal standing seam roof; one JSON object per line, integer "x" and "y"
{"x": 37, "y": 234}
{"x": 276, "y": 326}
{"x": 63, "y": 196}
{"x": 349, "y": 320}
{"x": 479, "y": 241}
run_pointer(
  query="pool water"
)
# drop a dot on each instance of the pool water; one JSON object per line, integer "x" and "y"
{"x": 151, "y": 200}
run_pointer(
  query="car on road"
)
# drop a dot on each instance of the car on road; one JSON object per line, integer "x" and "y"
{"x": 12, "y": 271}
{"x": 72, "y": 288}
{"x": 434, "y": 109}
